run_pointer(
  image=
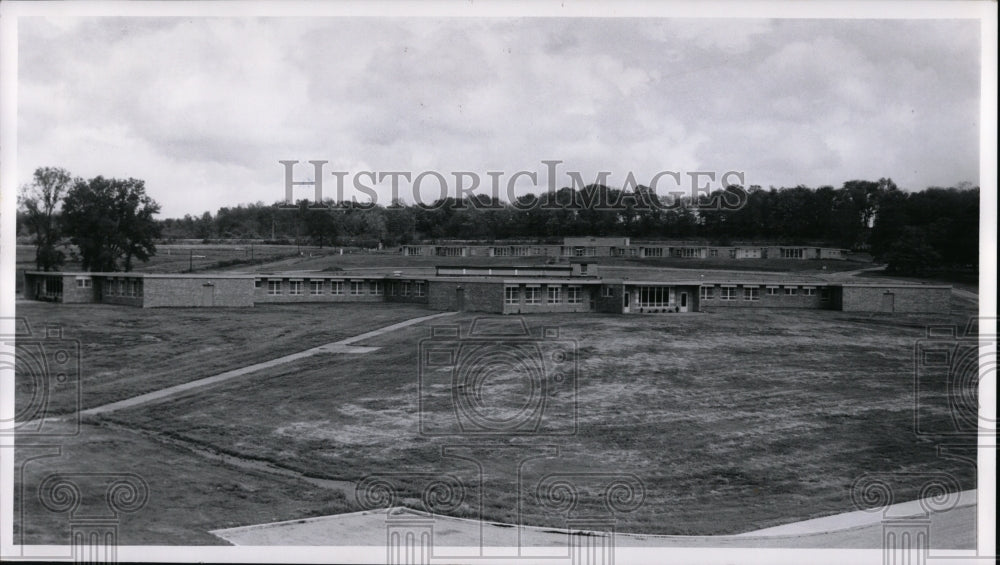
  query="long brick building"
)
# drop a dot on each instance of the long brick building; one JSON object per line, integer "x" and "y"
{"x": 577, "y": 287}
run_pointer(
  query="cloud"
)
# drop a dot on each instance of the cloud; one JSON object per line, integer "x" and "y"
{"x": 203, "y": 108}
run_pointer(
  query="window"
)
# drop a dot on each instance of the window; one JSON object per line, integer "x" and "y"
{"x": 751, "y": 293}
{"x": 713, "y": 252}
{"x": 555, "y": 294}
{"x": 608, "y": 292}
{"x": 131, "y": 288}
{"x": 654, "y": 296}
{"x": 728, "y": 293}
{"x": 121, "y": 287}
{"x": 295, "y": 287}
{"x": 375, "y": 287}
{"x": 732, "y": 253}
{"x": 406, "y": 289}
{"x": 510, "y": 295}
{"x": 274, "y": 287}
{"x": 772, "y": 291}
{"x": 707, "y": 292}
{"x": 583, "y": 268}
{"x": 791, "y": 290}
{"x": 824, "y": 294}
{"x": 787, "y": 253}
{"x": 532, "y": 295}
{"x": 357, "y": 287}
{"x": 418, "y": 288}
{"x": 315, "y": 287}
{"x": 83, "y": 283}
{"x": 579, "y": 251}
{"x": 337, "y": 287}
{"x": 652, "y": 252}
{"x": 809, "y": 290}
{"x": 573, "y": 295}
{"x": 257, "y": 283}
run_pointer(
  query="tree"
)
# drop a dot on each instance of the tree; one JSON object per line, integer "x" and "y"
{"x": 111, "y": 220}
{"x": 38, "y": 202}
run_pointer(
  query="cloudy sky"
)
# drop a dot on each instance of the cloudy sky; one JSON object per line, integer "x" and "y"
{"x": 202, "y": 109}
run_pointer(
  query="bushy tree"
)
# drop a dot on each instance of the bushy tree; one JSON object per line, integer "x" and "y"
{"x": 39, "y": 203}
{"x": 111, "y": 222}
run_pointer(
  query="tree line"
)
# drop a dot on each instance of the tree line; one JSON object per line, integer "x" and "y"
{"x": 936, "y": 228}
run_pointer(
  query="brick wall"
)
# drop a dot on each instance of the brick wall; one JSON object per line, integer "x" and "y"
{"x": 588, "y": 296}
{"x": 202, "y": 291}
{"x": 70, "y": 294}
{"x": 73, "y": 294}
{"x": 478, "y": 296}
{"x": 610, "y": 304}
{"x": 261, "y": 293}
{"x": 114, "y": 290}
{"x": 780, "y": 300}
{"x": 394, "y": 291}
{"x": 904, "y": 298}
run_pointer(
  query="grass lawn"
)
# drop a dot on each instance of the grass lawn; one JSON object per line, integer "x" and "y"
{"x": 188, "y": 495}
{"x": 733, "y": 420}
{"x": 126, "y": 351}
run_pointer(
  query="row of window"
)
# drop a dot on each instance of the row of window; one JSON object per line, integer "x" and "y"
{"x": 356, "y": 288}
{"x": 533, "y": 294}
{"x": 753, "y": 293}
{"x": 654, "y": 296}
{"x": 131, "y": 287}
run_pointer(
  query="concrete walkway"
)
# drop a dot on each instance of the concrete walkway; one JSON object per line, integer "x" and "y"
{"x": 342, "y": 346}
{"x": 954, "y": 529}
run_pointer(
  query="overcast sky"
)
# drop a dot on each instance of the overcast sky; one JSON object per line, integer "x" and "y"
{"x": 202, "y": 109}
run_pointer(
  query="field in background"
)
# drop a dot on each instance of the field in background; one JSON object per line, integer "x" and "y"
{"x": 734, "y": 420}
{"x": 176, "y": 258}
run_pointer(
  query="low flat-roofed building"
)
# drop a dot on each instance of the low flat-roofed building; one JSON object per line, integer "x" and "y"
{"x": 507, "y": 289}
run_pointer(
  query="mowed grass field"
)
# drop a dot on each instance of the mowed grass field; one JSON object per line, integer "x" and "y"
{"x": 126, "y": 351}
{"x": 176, "y": 258}
{"x": 732, "y": 420}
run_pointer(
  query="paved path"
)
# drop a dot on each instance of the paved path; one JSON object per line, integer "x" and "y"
{"x": 342, "y": 346}
{"x": 952, "y": 529}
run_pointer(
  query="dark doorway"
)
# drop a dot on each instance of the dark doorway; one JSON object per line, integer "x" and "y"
{"x": 460, "y": 299}
{"x": 888, "y": 302}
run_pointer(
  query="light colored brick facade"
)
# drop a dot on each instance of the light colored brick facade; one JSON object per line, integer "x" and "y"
{"x": 497, "y": 289}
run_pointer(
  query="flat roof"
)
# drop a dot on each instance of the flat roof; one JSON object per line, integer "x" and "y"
{"x": 506, "y": 278}
{"x": 895, "y": 285}
{"x": 535, "y": 266}
{"x": 134, "y": 274}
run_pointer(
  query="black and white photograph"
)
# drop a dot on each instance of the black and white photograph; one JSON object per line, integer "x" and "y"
{"x": 445, "y": 282}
